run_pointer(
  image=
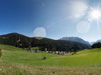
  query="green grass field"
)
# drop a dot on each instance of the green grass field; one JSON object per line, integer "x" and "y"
{"x": 21, "y": 62}
{"x": 35, "y": 48}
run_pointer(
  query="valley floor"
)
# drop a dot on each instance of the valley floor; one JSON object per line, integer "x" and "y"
{"x": 15, "y": 61}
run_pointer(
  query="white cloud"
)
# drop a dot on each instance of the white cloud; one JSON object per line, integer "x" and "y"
{"x": 40, "y": 32}
{"x": 78, "y": 9}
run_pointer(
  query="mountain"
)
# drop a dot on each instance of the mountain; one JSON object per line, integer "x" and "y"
{"x": 15, "y": 39}
{"x": 91, "y": 43}
{"x": 22, "y": 41}
{"x": 98, "y": 41}
{"x": 76, "y": 39}
{"x": 95, "y": 42}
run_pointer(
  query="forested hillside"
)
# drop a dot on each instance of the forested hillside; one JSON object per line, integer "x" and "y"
{"x": 22, "y": 41}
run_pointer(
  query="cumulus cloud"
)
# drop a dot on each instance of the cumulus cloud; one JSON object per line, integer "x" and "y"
{"x": 78, "y": 9}
{"x": 40, "y": 32}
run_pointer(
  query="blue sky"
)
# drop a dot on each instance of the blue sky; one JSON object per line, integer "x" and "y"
{"x": 51, "y": 18}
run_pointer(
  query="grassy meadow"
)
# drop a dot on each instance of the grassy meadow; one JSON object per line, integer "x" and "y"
{"x": 16, "y": 61}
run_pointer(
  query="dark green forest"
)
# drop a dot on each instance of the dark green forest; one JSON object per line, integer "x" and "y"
{"x": 22, "y": 41}
{"x": 96, "y": 45}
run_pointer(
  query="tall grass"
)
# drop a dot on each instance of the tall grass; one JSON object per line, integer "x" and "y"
{"x": 18, "y": 69}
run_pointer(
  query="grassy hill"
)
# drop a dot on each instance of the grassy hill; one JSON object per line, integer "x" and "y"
{"x": 89, "y": 57}
{"x": 22, "y": 62}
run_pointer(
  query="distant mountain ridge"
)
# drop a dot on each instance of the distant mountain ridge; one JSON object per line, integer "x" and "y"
{"x": 95, "y": 42}
{"x": 98, "y": 41}
{"x": 23, "y": 41}
{"x": 76, "y": 39}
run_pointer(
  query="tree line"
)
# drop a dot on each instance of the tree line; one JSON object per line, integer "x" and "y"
{"x": 96, "y": 45}
{"x": 22, "y": 41}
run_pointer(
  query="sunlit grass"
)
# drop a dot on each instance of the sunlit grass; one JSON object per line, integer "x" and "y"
{"x": 85, "y": 58}
{"x": 18, "y": 69}
{"x": 16, "y": 61}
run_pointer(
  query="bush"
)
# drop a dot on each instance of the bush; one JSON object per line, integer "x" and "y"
{"x": 44, "y": 58}
{"x": 73, "y": 53}
{"x": 0, "y": 52}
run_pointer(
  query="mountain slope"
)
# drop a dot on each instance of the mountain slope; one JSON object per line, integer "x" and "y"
{"x": 76, "y": 39}
{"x": 22, "y": 41}
{"x": 15, "y": 39}
{"x": 95, "y": 42}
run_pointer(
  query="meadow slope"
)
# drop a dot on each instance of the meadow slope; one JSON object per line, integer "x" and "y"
{"x": 19, "y": 61}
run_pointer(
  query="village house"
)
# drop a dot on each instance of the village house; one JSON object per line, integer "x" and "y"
{"x": 52, "y": 52}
